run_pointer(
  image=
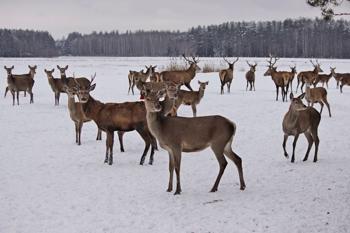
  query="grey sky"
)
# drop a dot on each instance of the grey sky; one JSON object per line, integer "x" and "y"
{"x": 65, "y": 16}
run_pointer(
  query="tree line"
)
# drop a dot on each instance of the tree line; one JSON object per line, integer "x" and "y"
{"x": 288, "y": 38}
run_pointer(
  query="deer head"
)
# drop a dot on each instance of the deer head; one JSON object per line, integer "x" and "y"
{"x": 9, "y": 70}
{"x": 202, "y": 85}
{"x": 62, "y": 70}
{"x": 317, "y": 66}
{"x": 193, "y": 63}
{"x": 83, "y": 92}
{"x": 49, "y": 72}
{"x": 231, "y": 65}
{"x": 32, "y": 69}
{"x": 252, "y": 67}
{"x": 293, "y": 69}
{"x": 297, "y": 103}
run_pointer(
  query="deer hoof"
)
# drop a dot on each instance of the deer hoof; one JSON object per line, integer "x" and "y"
{"x": 213, "y": 190}
{"x": 169, "y": 190}
{"x": 177, "y": 192}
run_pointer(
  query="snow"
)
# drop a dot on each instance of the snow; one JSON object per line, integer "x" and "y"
{"x": 49, "y": 184}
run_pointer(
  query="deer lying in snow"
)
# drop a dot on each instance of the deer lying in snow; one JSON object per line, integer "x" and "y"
{"x": 31, "y": 74}
{"x": 226, "y": 76}
{"x": 16, "y": 84}
{"x": 301, "y": 119}
{"x": 317, "y": 95}
{"x": 56, "y": 85}
{"x": 192, "y": 98}
{"x": 180, "y": 134}
{"x": 111, "y": 117}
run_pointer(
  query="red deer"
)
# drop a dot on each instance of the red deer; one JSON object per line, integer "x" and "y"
{"x": 180, "y": 134}
{"x": 324, "y": 78}
{"x": 56, "y": 85}
{"x": 71, "y": 81}
{"x": 338, "y": 76}
{"x": 183, "y": 77}
{"x": 131, "y": 80}
{"x": 31, "y": 74}
{"x": 226, "y": 76}
{"x": 250, "y": 76}
{"x": 18, "y": 83}
{"x": 344, "y": 80}
{"x": 301, "y": 119}
{"x": 317, "y": 95}
{"x": 111, "y": 117}
{"x": 308, "y": 76}
{"x": 192, "y": 98}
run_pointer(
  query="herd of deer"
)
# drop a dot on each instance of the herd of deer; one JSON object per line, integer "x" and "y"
{"x": 155, "y": 117}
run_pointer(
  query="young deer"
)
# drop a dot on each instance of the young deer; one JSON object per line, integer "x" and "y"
{"x": 17, "y": 84}
{"x": 345, "y": 80}
{"x": 192, "y": 98}
{"x": 77, "y": 115}
{"x": 180, "y": 134}
{"x": 226, "y": 76}
{"x": 324, "y": 78}
{"x": 30, "y": 74}
{"x": 250, "y": 76}
{"x": 56, "y": 85}
{"x": 308, "y": 76}
{"x": 317, "y": 95}
{"x": 183, "y": 77}
{"x": 301, "y": 119}
{"x": 111, "y": 117}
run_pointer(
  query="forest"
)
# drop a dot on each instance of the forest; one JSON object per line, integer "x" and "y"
{"x": 289, "y": 38}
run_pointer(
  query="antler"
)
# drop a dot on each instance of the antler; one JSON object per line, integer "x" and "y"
{"x": 235, "y": 60}
{"x": 195, "y": 60}
{"x": 226, "y": 60}
{"x": 271, "y": 64}
{"x": 249, "y": 64}
{"x": 312, "y": 63}
{"x": 92, "y": 78}
{"x": 186, "y": 59}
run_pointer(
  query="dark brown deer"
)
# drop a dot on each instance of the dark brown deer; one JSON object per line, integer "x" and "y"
{"x": 30, "y": 74}
{"x": 56, "y": 85}
{"x": 308, "y": 76}
{"x": 16, "y": 84}
{"x": 226, "y": 76}
{"x": 280, "y": 78}
{"x": 324, "y": 78}
{"x": 180, "y": 134}
{"x": 111, "y": 117}
{"x": 345, "y": 80}
{"x": 301, "y": 119}
{"x": 250, "y": 76}
{"x": 192, "y": 98}
{"x": 183, "y": 77}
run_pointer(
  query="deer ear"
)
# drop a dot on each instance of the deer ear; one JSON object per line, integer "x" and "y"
{"x": 29, "y": 67}
{"x": 66, "y": 67}
{"x": 207, "y": 82}
{"x": 92, "y": 87}
{"x": 45, "y": 70}
{"x": 58, "y": 67}
{"x": 53, "y": 70}
{"x": 301, "y": 96}
{"x": 291, "y": 96}
{"x": 199, "y": 82}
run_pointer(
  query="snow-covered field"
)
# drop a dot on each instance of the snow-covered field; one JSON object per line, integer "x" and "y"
{"x": 49, "y": 184}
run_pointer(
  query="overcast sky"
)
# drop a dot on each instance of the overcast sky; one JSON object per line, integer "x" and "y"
{"x": 61, "y": 17}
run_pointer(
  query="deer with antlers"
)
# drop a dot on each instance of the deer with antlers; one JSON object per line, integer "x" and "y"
{"x": 280, "y": 78}
{"x": 111, "y": 117}
{"x": 301, "y": 119}
{"x": 308, "y": 76}
{"x": 180, "y": 134}
{"x": 18, "y": 83}
{"x": 30, "y": 74}
{"x": 226, "y": 75}
{"x": 56, "y": 84}
{"x": 250, "y": 76}
{"x": 183, "y": 77}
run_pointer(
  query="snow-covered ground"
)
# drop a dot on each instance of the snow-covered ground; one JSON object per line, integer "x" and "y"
{"x": 49, "y": 184}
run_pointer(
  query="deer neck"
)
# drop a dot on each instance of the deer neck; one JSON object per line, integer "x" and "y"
{"x": 154, "y": 122}
{"x": 167, "y": 106}
{"x": 201, "y": 93}
{"x": 92, "y": 108}
{"x": 292, "y": 117}
{"x": 191, "y": 71}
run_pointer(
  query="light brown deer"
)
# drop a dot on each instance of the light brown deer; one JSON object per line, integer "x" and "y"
{"x": 30, "y": 74}
{"x": 192, "y": 98}
{"x": 77, "y": 114}
{"x": 293, "y": 71}
{"x": 317, "y": 95}
{"x": 183, "y": 77}
{"x": 250, "y": 76}
{"x": 56, "y": 85}
{"x": 180, "y": 134}
{"x": 308, "y": 76}
{"x": 111, "y": 117}
{"x": 324, "y": 78}
{"x": 345, "y": 80}
{"x": 336, "y": 76}
{"x": 16, "y": 84}
{"x": 155, "y": 76}
{"x": 226, "y": 76}
{"x": 131, "y": 80}
{"x": 301, "y": 119}
{"x": 280, "y": 78}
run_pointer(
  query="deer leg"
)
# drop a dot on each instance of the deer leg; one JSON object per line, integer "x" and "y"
{"x": 314, "y": 135}
{"x": 177, "y": 160}
{"x": 13, "y": 97}
{"x": 132, "y": 87}
{"x": 129, "y": 86}
{"x": 25, "y": 94}
{"x": 310, "y": 141}
{"x": 229, "y": 87}
{"x": 294, "y": 144}
{"x": 301, "y": 87}
{"x": 238, "y": 162}
{"x": 327, "y": 84}
{"x": 194, "y": 110}
{"x": 146, "y": 139}
{"x": 58, "y": 98}
{"x": 298, "y": 82}
{"x": 99, "y": 134}
{"x": 153, "y": 148}
{"x": 120, "y": 137}
{"x": 171, "y": 172}
{"x": 31, "y": 96}
{"x": 222, "y": 89}
{"x": 76, "y": 132}
{"x": 107, "y": 146}
{"x": 284, "y": 145}
{"x": 6, "y": 90}
{"x": 17, "y": 96}
{"x": 80, "y": 126}
{"x": 219, "y": 154}
{"x": 276, "y": 93}
{"x": 188, "y": 86}
{"x": 254, "y": 85}
{"x": 246, "y": 88}
{"x": 321, "y": 103}
{"x": 341, "y": 88}
{"x": 329, "y": 108}
{"x": 110, "y": 145}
